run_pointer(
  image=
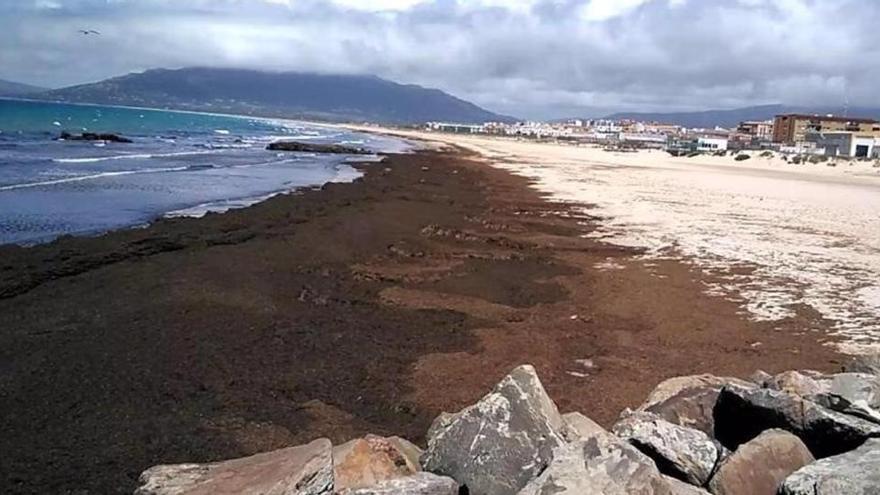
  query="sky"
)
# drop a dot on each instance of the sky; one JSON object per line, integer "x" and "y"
{"x": 529, "y": 58}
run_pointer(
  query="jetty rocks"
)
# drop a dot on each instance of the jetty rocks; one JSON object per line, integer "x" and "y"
{"x": 297, "y": 146}
{"x": 795, "y": 433}
{"x": 93, "y": 136}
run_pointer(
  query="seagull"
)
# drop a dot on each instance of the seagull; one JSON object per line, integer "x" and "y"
{"x": 87, "y": 32}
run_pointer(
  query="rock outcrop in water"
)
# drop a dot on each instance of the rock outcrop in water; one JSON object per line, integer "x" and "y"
{"x": 514, "y": 441}
{"x": 93, "y": 136}
{"x": 316, "y": 148}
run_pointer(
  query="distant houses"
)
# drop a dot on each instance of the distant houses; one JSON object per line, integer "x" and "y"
{"x": 827, "y": 135}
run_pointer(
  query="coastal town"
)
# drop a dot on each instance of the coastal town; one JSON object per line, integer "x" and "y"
{"x": 810, "y": 136}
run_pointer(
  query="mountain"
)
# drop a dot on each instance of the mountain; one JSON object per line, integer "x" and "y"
{"x": 730, "y": 118}
{"x": 278, "y": 94}
{"x": 9, "y": 88}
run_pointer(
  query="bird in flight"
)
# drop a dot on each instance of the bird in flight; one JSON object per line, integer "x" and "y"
{"x": 87, "y": 32}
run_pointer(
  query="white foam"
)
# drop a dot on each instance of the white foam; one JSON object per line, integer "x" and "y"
{"x": 80, "y": 178}
{"x": 133, "y": 156}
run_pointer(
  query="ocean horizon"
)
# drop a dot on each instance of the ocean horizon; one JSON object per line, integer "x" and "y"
{"x": 180, "y": 163}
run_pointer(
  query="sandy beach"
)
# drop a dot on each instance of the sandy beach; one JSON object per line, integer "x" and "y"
{"x": 775, "y": 236}
{"x": 353, "y": 308}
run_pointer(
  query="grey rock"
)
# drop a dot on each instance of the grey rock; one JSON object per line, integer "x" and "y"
{"x": 499, "y": 444}
{"x": 601, "y": 465}
{"x": 856, "y": 387}
{"x": 417, "y": 484}
{"x": 741, "y": 414}
{"x": 684, "y": 453}
{"x": 689, "y": 400}
{"x": 303, "y": 470}
{"x": 799, "y": 383}
{"x": 760, "y": 378}
{"x": 868, "y": 363}
{"x": 681, "y": 488}
{"x": 759, "y": 466}
{"x": 576, "y": 426}
{"x": 859, "y": 409}
{"x": 853, "y": 473}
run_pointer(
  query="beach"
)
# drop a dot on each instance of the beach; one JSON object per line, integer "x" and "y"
{"x": 368, "y": 306}
{"x": 777, "y": 237}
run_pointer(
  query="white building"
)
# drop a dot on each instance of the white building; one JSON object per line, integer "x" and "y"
{"x": 711, "y": 144}
{"x": 847, "y": 144}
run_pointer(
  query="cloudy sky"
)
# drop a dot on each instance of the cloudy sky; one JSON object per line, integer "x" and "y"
{"x": 530, "y": 58}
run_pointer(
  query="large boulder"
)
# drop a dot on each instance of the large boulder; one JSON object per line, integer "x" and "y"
{"x": 576, "y": 426}
{"x": 684, "y": 453}
{"x": 366, "y": 462}
{"x": 804, "y": 384}
{"x": 302, "y": 470}
{"x": 418, "y": 484}
{"x": 681, "y": 488}
{"x": 600, "y": 465}
{"x": 853, "y": 473}
{"x": 499, "y": 444}
{"x": 741, "y": 414}
{"x": 868, "y": 363}
{"x": 854, "y": 387}
{"x": 689, "y": 400}
{"x": 759, "y": 466}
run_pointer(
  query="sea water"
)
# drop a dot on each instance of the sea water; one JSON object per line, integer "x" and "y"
{"x": 179, "y": 163}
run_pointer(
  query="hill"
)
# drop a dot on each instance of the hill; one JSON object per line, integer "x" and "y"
{"x": 9, "y": 88}
{"x": 730, "y": 118}
{"x": 278, "y": 94}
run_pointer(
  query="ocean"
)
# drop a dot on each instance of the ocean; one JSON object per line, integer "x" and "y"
{"x": 179, "y": 164}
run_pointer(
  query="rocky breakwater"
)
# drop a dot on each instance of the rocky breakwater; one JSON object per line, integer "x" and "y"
{"x": 296, "y": 146}
{"x": 796, "y": 433}
{"x": 93, "y": 136}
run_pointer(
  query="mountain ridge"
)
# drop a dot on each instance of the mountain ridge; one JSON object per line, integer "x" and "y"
{"x": 278, "y": 94}
{"x": 12, "y": 88}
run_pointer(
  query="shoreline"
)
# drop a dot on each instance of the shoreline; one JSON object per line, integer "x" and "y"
{"x": 359, "y": 307}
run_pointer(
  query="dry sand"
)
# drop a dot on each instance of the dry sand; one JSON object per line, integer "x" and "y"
{"x": 774, "y": 236}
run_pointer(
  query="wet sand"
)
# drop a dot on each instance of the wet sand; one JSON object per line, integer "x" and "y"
{"x": 354, "y": 308}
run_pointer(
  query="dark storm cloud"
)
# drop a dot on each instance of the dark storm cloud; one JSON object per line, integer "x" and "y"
{"x": 527, "y": 57}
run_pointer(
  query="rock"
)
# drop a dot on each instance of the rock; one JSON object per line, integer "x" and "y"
{"x": 795, "y": 382}
{"x": 741, "y": 414}
{"x": 759, "y": 466}
{"x": 760, "y": 378}
{"x": 681, "y": 488}
{"x": 853, "y": 473}
{"x": 859, "y": 409}
{"x": 689, "y": 400}
{"x": 868, "y": 363}
{"x": 417, "y": 484}
{"x": 601, "y": 465}
{"x": 856, "y": 387}
{"x": 315, "y": 148}
{"x": 303, "y": 470}
{"x": 684, "y": 453}
{"x": 367, "y": 461}
{"x": 500, "y": 443}
{"x": 576, "y": 426}
{"x": 91, "y": 136}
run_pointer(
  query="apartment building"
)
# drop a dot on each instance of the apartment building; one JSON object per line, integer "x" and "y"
{"x": 760, "y": 129}
{"x": 793, "y": 128}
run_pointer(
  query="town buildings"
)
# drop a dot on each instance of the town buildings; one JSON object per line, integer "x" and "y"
{"x": 797, "y": 134}
{"x": 760, "y": 129}
{"x": 793, "y": 128}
